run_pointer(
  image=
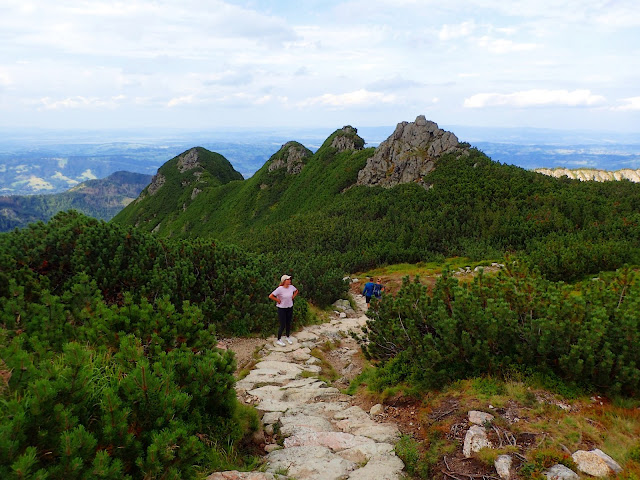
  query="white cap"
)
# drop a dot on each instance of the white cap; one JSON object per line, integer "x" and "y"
{"x": 284, "y": 277}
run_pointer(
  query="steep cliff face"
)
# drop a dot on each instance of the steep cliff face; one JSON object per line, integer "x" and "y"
{"x": 409, "y": 154}
{"x": 591, "y": 174}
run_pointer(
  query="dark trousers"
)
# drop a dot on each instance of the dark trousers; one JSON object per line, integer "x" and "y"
{"x": 286, "y": 318}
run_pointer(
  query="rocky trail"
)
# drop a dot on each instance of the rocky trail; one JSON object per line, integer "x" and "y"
{"x": 315, "y": 431}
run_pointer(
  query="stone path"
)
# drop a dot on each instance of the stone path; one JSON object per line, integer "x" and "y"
{"x": 323, "y": 436}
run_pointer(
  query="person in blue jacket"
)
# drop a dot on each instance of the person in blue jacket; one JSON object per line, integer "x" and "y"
{"x": 378, "y": 288}
{"x": 368, "y": 290}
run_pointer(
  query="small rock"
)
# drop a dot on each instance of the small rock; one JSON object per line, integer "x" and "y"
{"x": 480, "y": 418}
{"x": 272, "y": 447}
{"x": 560, "y": 472}
{"x": 235, "y": 475}
{"x": 268, "y": 429}
{"x": 475, "y": 440}
{"x": 596, "y": 463}
{"x": 376, "y": 409}
{"x": 503, "y": 466}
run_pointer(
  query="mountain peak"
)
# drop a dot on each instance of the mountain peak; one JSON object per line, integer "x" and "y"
{"x": 291, "y": 155}
{"x": 411, "y": 152}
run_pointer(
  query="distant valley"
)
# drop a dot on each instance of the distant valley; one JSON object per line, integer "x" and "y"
{"x": 101, "y": 199}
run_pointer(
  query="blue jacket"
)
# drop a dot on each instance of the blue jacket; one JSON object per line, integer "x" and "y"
{"x": 368, "y": 289}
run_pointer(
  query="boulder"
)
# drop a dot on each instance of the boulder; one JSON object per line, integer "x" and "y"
{"x": 480, "y": 418}
{"x": 376, "y": 409}
{"x": 596, "y": 463}
{"x": 560, "y": 472}
{"x": 503, "y": 466}
{"x": 475, "y": 440}
{"x": 235, "y": 475}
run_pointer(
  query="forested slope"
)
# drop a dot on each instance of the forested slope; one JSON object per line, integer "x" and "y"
{"x": 469, "y": 205}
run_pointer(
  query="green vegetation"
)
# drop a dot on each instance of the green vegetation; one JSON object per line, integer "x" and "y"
{"x": 584, "y": 335}
{"x": 475, "y": 208}
{"x": 109, "y": 336}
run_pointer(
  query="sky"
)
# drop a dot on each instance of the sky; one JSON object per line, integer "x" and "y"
{"x": 201, "y": 64}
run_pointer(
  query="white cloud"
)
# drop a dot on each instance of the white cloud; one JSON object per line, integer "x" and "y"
{"x": 184, "y": 100}
{"x": 501, "y": 45}
{"x": 357, "y": 98}
{"x": 449, "y": 32}
{"x": 631, "y": 103}
{"x": 80, "y": 102}
{"x": 535, "y": 98}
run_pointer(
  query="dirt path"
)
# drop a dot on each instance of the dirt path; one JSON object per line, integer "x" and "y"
{"x": 312, "y": 430}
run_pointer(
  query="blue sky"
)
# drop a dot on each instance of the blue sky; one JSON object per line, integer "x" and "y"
{"x": 207, "y": 64}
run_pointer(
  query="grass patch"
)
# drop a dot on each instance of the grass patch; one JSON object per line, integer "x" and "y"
{"x": 328, "y": 374}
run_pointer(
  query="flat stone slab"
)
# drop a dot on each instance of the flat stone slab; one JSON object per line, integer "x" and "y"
{"x": 352, "y": 412}
{"x": 300, "y": 424}
{"x": 315, "y": 409}
{"x": 336, "y": 441}
{"x": 274, "y": 406}
{"x": 309, "y": 463}
{"x": 235, "y": 475}
{"x": 270, "y": 418}
{"x": 380, "y": 467}
{"x": 306, "y": 336}
{"x": 364, "y": 453}
{"x": 380, "y": 432}
{"x": 265, "y": 377}
{"x": 282, "y": 367}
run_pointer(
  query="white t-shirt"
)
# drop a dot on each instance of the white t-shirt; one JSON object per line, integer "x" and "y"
{"x": 285, "y": 295}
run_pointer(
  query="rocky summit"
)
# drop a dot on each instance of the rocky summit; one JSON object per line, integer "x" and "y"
{"x": 409, "y": 154}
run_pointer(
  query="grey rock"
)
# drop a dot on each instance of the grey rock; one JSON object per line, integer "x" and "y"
{"x": 411, "y": 152}
{"x": 299, "y": 424}
{"x": 236, "y": 475}
{"x": 272, "y": 447}
{"x": 309, "y": 463}
{"x": 376, "y": 409}
{"x": 156, "y": 182}
{"x": 503, "y": 466}
{"x": 363, "y": 453}
{"x": 188, "y": 160}
{"x": 380, "y": 467}
{"x": 560, "y": 472}
{"x": 347, "y": 139}
{"x": 596, "y": 463}
{"x": 335, "y": 441}
{"x": 475, "y": 440}
{"x": 480, "y": 418}
{"x": 380, "y": 432}
{"x": 291, "y": 156}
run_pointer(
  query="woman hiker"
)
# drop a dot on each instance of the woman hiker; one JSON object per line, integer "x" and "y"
{"x": 283, "y": 296}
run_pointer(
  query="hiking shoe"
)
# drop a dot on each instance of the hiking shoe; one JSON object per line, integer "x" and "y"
{"x": 281, "y": 343}
{"x": 289, "y": 340}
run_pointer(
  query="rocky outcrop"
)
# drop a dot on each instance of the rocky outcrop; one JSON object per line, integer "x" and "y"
{"x": 591, "y": 174}
{"x": 291, "y": 156}
{"x": 188, "y": 160}
{"x": 156, "y": 182}
{"x": 347, "y": 138}
{"x": 408, "y": 154}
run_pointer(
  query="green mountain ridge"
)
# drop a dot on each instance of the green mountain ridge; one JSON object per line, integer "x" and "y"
{"x": 450, "y": 200}
{"x": 101, "y": 199}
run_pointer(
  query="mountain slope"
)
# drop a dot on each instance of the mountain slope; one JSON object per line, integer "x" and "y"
{"x": 176, "y": 185}
{"x": 101, "y": 199}
{"x": 420, "y": 196}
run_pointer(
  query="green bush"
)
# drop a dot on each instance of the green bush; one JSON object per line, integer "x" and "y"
{"x": 586, "y": 334}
